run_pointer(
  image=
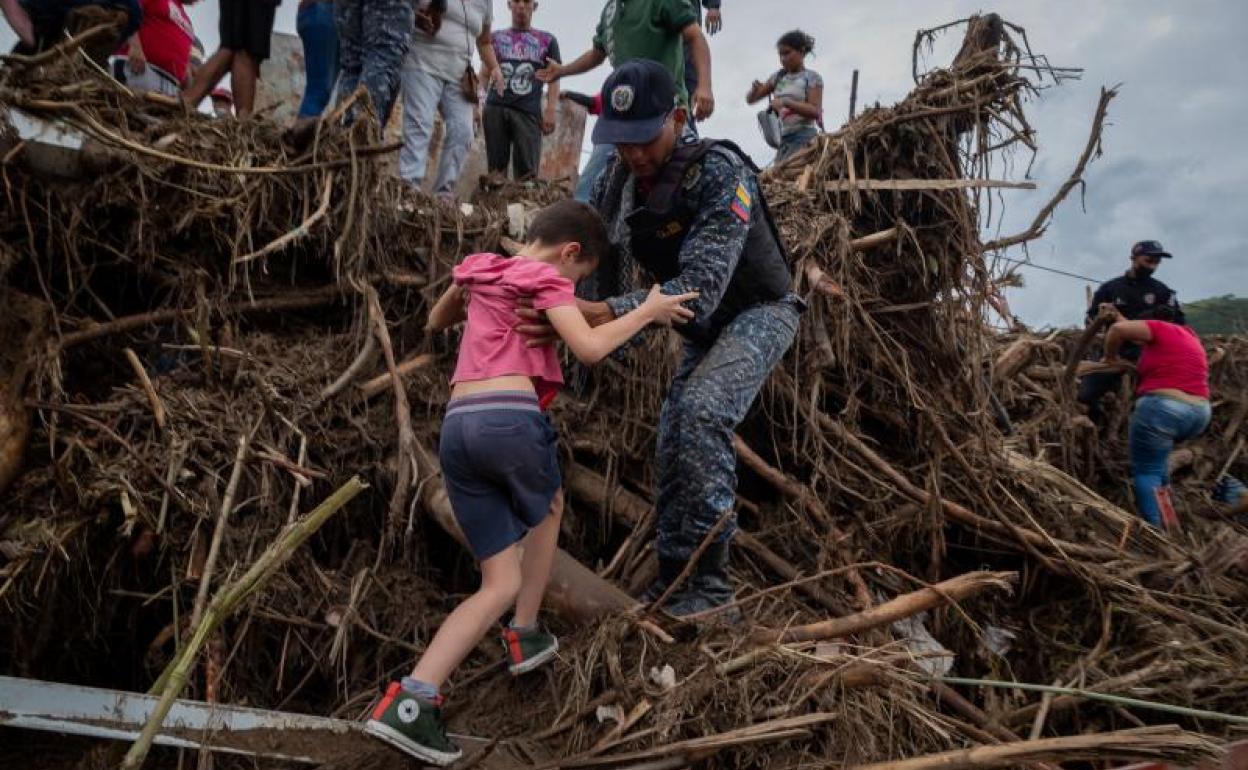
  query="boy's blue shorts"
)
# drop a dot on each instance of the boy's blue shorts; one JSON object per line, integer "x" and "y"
{"x": 500, "y": 465}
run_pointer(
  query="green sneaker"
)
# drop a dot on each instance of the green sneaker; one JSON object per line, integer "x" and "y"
{"x": 526, "y": 650}
{"x": 412, "y": 725}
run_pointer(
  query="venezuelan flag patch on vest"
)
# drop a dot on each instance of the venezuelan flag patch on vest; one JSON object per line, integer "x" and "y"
{"x": 741, "y": 204}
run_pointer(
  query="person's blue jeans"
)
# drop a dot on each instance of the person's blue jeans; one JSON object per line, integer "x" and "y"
{"x": 316, "y": 28}
{"x": 425, "y": 95}
{"x": 792, "y": 142}
{"x": 594, "y": 167}
{"x": 1157, "y": 424}
{"x": 695, "y": 464}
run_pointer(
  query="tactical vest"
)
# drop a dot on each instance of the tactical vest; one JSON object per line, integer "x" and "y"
{"x": 658, "y": 230}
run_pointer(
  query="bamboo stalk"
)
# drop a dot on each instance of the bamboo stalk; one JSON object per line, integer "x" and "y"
{"x": 228, "y": 599}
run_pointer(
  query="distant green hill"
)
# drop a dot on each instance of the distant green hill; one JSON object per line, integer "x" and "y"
{"x": 1227, "y": 314}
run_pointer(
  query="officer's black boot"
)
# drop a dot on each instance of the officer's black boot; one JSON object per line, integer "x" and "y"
{"x": 708, "y": 587}
{"x": 669, "y": 569}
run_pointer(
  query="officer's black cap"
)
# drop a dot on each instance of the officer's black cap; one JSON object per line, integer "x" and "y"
{"x": 1149, "y": 249}
{"x": 636, "y": 100}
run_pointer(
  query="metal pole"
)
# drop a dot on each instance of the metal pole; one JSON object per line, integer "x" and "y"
{"x": 853, "y": 96}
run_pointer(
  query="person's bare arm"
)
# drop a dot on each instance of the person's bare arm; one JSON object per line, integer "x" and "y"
{"x": 136, "y": 58}
{"x": 450, "y": 309}
{"x": 553, "y": 70}
{"x": 489, "y": 62}
{"x": 1125, "y": 331}
{"x": 552, "y": 108}
{"x": 758, "y": 91}
{"x": 812, "y": 108}
{"x": 591, "y": 344}
{"x": 19, "y": 20}
{"x": 714, "y": 20}
{"x": 703, "y": 99}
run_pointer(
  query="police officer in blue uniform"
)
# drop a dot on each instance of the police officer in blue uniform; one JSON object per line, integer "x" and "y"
{"x": 690, "y": 215}
{"x": 1127, "y": 297}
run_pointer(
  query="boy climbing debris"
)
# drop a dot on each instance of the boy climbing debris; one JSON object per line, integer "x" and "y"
{"x": 498, "y": 452}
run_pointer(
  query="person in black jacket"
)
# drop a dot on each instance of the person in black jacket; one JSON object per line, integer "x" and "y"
{"x": 1127, "y": 297}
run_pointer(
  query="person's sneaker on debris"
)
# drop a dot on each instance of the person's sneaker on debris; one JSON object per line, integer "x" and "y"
{"x": 412, "y": 724}
{"x": 528, "y": 648}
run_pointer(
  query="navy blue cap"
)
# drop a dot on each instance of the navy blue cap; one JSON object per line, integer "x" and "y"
{"x": 1149, "y": 249}
{"x": 636, "y": 100}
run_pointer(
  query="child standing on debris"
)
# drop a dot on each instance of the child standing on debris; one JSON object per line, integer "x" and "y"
{"x": 498, "y": 452}
{"x": 796, "y": 94}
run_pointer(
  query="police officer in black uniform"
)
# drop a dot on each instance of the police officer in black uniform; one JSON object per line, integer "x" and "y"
{"x": 1127, "y": 297}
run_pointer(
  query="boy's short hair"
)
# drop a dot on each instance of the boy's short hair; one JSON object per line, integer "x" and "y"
{"x": 571, "y": 221}
{"x": 1160, "y": 313}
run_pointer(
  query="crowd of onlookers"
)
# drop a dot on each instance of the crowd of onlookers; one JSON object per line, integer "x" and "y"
{"x": 423, "y": 51}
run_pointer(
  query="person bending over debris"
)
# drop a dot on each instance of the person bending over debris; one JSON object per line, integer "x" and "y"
{"x": 499, "y": 452}
{"x": 41, "y": 24}
{"x": 157, "y": 58}
{"x": 692, "y": 215}
{"x": 796, "y": 94}
{"x": 1127, "y": 297}
{"x": 246, "y": 29}
{"x": 1172, "y": 402}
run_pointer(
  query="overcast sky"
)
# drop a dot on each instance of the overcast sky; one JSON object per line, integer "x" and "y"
{"x": 1172, "y": 169}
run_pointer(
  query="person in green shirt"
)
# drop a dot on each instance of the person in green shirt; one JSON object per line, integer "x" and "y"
{"x": 657, "y": 30}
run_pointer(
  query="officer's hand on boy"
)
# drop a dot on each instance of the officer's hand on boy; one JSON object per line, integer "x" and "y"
{"x": 534, "y": 325}
{"x": 667, "y": 309}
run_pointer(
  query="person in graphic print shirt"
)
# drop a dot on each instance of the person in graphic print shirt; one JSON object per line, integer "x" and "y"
{"x": 515, "y": 120}
{"x": 499, "y": 453}
{"x": 157, "y": 58}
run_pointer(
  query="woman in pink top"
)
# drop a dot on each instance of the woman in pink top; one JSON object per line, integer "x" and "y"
{"x": 498, "y": 452}
{"x": 1171, "y": 405}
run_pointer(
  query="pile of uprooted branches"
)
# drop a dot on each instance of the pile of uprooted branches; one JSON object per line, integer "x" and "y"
{"x": 216, "y": 329}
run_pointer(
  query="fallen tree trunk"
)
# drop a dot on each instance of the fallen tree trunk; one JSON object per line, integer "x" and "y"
{"x": 575, "y": 593}
{"x": 952, "y": 590}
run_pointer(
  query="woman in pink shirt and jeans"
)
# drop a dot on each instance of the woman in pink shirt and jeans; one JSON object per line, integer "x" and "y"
{"x": 498, "y": 452}
{"x": 1171, "y": 405}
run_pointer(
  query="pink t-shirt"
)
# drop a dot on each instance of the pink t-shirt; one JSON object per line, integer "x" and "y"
{"x": 491, "y": 346}
{"x": 1174, "y": 359}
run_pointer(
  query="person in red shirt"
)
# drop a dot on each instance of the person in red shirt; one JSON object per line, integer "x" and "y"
{"x": 1171, "y": 405}
{"x": 158, "y": 57}
{"x": 246, "y": 30}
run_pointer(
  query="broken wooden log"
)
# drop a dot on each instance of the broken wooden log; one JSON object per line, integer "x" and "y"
{"x": 378, "y": 384}
{"x": 574, "y": 592}
{"x": 953, "y": 590}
